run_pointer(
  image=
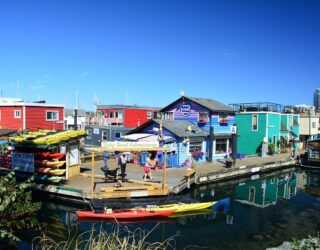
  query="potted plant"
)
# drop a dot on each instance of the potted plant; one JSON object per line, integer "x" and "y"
{"x": 229, "y": 162}
{"x": 271, "y": 148}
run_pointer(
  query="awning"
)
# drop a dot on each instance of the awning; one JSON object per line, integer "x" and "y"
{"x": 144, "y": 137}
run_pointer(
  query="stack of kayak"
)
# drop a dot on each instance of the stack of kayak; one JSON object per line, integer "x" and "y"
{"x": 149, "y": 211}
{"x": 46, "y": 137}
{"x": 50, "y": 163}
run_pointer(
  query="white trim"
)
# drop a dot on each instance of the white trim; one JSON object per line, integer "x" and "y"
{"x": 16, "y": 112}
{"x": 52, "y": 111}
{"x": 267, "y": 127}
{"x": 24, "y": 117}
{"x": 149, "y": 113}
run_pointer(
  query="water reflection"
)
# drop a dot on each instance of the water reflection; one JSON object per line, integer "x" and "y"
{"x": 259, "y": 212}
{"x": 265, "y": 192}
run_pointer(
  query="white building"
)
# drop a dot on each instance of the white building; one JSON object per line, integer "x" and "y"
{"x": 69, "y": 118}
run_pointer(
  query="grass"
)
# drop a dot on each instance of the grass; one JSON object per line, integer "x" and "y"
{"x": 119, "y": 238}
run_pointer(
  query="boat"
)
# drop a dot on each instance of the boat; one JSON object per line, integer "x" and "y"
{"x": 192, "y": 213}
{"x": 51, "y": 164}
{"x": 48, "y": 155}
{"x": 182, "y": 207}
{"x": 56, "y": 171}
{"x": 43, "y": 170}
{"x": 124, "y": 214}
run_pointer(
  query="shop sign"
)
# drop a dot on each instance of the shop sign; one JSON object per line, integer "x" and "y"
{"x": 185, "y": 109}
{"x": 23, "y": 162}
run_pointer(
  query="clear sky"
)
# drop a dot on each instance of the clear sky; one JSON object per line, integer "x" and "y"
{"x": 145, "y": 52}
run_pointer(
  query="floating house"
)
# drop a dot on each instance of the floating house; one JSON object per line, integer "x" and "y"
{"x": 74, "y": 117}
{"x": 201, "y": 128}
{"x": 96, "y": 135}
{"x": 20, "y": 115}
{"x": 263, "y": 124}
{"x": 130, "y": 116}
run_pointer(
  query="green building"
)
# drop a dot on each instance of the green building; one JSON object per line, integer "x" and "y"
{"x": 264, "y": 123}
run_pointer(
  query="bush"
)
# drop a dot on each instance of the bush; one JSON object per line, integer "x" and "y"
{"x": 271, "y": 148}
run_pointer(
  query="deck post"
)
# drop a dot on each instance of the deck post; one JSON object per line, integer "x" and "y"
{"x": 164, "y": 181}
{"x": 92, "y": 174}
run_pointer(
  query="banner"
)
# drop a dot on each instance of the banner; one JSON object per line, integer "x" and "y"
{"x": 129, "y": 144}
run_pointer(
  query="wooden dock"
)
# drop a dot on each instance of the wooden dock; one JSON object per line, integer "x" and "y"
{"x": 178, "y": 179}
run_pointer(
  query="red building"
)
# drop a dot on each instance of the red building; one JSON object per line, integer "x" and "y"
{"x": 124, "y": 115}
{"x": 16, "y": 114}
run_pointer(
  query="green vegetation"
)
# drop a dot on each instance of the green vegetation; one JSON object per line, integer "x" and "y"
{"x": 116, "y": 239}
{"x": 17, "y": 211}
{"x": 271, "y": 148}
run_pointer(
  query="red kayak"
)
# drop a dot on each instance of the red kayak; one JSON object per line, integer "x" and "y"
{"x": 124, "y": 214}
{"x": 48, "y": 155}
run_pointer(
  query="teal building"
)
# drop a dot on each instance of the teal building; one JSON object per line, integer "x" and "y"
{"x": 264, "y": 123}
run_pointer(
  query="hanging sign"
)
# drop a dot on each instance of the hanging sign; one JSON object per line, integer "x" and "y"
{"x": 126, "y": 144}
{"x": 185, "y": 109}
{"x": 23, "y": 162}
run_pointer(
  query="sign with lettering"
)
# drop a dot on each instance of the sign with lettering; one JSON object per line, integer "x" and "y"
{"x": 96, "y": 131}
{"x": 74, "y": 155}
{"x": 23, "y": 162}
{"x": 129, "y": 144}
{"x": 185, "y": 109}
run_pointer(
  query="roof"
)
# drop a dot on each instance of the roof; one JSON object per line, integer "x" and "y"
{"x": 5, "y": 132}
{"x": 208, "y": 103}
{"x": 70, "y": 112}
{"x": 126, "y": 106}
{"x": 181, "y": 128}
{"x": 9, "y": 102}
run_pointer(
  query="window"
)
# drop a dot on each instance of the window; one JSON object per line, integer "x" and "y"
{"x": 111, "y": 114}
{"x": 89, "y": 134}
{"x": 149, "y": 115}
{"x": 223, "y": 117}
{"x": 104, "y": 135}
{"x": 117, "y": 135}
{"x": 168, "y": 116}
{"x": 295, "y": 120}
{"x": 203, "y": 117}
{"x": 254, "y": 122}
{"x": 314, "y": 124}
{"x": 221, "y": 146}
{"x": 52, "y": 115}
{"x": 17, "y": 114}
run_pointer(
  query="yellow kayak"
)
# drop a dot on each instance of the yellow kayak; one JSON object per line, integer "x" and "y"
{"x": 183, "y": 207}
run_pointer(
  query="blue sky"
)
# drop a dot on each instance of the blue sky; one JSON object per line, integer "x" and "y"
{"x": 146, "y": 52}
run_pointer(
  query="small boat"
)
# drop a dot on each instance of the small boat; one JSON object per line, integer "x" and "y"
{"x": 182, "y": 207}
{"x": 56, "y": 171}
{"x": 124, "y": 214}
{"x": 43, "y": 170}
{"x": 51, "y": 164}
{"x": 48, "y": 155}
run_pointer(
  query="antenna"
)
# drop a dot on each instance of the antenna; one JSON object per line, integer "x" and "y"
{"x": 182, "y": 93}
{"x": 76, "y": 99}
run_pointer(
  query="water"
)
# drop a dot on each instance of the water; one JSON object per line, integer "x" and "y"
{"x": 263, "y": 212}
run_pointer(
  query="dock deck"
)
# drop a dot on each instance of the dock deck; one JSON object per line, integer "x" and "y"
{"x": 177, "y": 180}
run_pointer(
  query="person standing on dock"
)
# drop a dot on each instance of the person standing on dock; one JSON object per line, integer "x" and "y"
{"x": 123, "y": 164}
{"x": 147, "y": 168}
{"x": 106, "y": 157}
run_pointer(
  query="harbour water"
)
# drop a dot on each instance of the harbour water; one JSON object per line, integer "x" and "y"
{"x": 260, "y": 212}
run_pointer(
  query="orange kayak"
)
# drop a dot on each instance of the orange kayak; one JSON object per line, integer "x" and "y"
{"x": 124, "y": 214}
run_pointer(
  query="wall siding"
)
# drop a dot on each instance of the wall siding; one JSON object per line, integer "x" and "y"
{"x": 7, "y": 118}
{"x": 249, "y": 141}
{"x": 36, "y": 118}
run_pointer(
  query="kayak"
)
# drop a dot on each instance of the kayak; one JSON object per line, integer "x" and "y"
{"x": 52, "y": 164}
{"x": 182, "y": 207}
{"x": 48, "y": 155}
{"x": 56, "y": 171}
{"x": 124, "y": 214}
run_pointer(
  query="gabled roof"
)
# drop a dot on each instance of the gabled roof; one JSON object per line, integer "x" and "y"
{"x": 207, "y": 103}
{"x": 177, "y": 127}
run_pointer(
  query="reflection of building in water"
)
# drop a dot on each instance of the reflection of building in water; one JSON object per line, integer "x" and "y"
{"x": 263, "y": 193}
{"x": 313, "y": 184}
{"x": 302, "y": 181}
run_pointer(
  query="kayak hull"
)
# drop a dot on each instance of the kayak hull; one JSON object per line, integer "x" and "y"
{"x": 183, "y": 207}
{"x": 125, "y": 214}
